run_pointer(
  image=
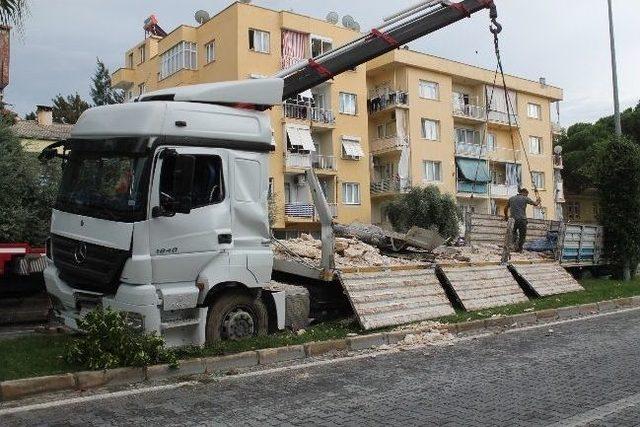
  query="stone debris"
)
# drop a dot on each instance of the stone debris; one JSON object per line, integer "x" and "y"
{"x": 349, "y": 253}
{"x": 431, "y": 337}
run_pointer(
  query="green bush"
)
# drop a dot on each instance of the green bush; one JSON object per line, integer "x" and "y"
{"x": 427, "y": 208}
{"x": 109, "y": 341}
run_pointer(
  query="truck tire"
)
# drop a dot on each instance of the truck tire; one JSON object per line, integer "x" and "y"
{"x": 235, "y": 315}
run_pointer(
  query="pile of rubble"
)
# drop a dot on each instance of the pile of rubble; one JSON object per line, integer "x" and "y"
{"x": 484, "y": 252}
{"x": 349, "y": 253}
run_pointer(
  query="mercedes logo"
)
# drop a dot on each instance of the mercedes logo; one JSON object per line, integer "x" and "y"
{"x": 80, "y": 255}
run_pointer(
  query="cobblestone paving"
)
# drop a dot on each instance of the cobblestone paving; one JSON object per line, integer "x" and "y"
{"x": 578, "y": 374}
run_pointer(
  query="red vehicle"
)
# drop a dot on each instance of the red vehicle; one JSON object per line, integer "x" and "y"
{"x": 21, "y": 267}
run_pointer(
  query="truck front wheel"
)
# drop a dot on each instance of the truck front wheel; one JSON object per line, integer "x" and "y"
{"x": 236, "y": 315}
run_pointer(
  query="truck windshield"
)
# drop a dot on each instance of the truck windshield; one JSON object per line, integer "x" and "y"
{"x": 104, "y": 185}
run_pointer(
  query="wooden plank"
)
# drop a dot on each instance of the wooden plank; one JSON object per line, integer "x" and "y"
{"x": 393, "y": 297}
{"x": 476, "y": 288}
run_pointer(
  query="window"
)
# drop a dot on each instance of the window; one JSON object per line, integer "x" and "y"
{"x": 538, "y": 179}
{"x": 535, "y": 145}
{"x": 142, "y": 53}
{"x": 429, "y": 90}
{"x": 271, "y": 185}
{"x": 210, "y": 52}
{"x": 351, "y": 148}
{"x": 572, "y": 210}
{"x": 208, "y": 181}
{"x": 386, "y": 130}
{"x": 320, "y": 46}
{"x": 467, "y": 136}
{"x": 141, "y": 88}
{"x": 351, "y": 193}
{"x": 182, "y": 55}
{"x": 432, "y": 171}
{"x": 491, "y": 142}
{"x": 259, "y": 41}
{"x": 130, "y": 60}
{"x": 430, "y": 129}
{"x": 539, "y": 213}
{"x": 534, "y": 111}
{"x": 348, "y": 103}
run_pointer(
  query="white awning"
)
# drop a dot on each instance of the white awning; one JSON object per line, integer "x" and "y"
{"x": 300, "y": 136}
{"x": 352, "y": 146}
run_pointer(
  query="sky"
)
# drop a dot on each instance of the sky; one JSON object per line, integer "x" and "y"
{"x": 566, "y": 41}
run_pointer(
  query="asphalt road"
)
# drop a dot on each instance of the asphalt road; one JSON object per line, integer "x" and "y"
{"x": 585, "y": 372}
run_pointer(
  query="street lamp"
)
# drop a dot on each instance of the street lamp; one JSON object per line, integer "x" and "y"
{"x": 614, "y": 72}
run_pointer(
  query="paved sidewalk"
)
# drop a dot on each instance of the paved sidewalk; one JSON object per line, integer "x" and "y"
{"x": 585, "y": 372}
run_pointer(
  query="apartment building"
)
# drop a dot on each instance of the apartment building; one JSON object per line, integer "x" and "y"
{"x": 438, "y": 122}
{"x": 326, "y": 128}
{"x": 404, "y": 119}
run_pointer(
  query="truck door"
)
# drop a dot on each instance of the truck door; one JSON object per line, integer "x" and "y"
{"x": 182, "y": 244}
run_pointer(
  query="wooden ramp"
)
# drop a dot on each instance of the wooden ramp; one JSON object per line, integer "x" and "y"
{"x": 395, "y": 297}
{"x": 476, "y": 287}
{"x": 545, "y": 279}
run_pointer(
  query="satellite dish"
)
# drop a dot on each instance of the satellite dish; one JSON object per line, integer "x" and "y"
{"x": 356, "y": 26}
{"x": 348, "y": 21}
{"x": 333, "y": 17}
{"x": 202, "y": 16}
{"x": 557, "y": 149}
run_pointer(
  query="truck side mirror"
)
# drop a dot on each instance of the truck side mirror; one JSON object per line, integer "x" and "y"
{"x": 183, "y": 182}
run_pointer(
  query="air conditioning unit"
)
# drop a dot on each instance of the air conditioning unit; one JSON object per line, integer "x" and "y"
{"x": 301, "y": 180}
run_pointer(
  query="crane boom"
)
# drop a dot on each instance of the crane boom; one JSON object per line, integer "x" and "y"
{"x": 397, "y": 30}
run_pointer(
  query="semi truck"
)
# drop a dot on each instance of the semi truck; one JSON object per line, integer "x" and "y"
{"x": 162, "y": 209}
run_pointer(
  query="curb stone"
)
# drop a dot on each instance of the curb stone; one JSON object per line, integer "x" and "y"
{"x": 269, "y": 356}
{"x": 322, "y": 347}
{"x": 16, "y": 389}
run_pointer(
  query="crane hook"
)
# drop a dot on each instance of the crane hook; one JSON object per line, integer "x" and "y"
{"x": 495, "y": 27}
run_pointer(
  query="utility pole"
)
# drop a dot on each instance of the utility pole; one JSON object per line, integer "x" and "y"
{"x": 614, "y": 72}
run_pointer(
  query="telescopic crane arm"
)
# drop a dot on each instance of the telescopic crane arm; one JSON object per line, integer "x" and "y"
{"x": 397, "y": 30}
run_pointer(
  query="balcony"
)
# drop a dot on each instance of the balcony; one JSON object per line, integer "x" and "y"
{"x": 322, "y": 116}
{"x": 386, "y": 145}
{"x": 123, "y": 78}
{"x": 500, "y": 154}
{"x": 556, "y": 128}
{"x": 476, "y": 151}
{"x": 297, "y": 161}
{"x": 391, "y": 99}
{"x": 323, "y": 162}
{"x": 503, "y": 190}
{"x": 303, "y": 210}
{"x": 470, "y": 111}
{"x": 389, "y": 186}
{"x": 469, "y": 187}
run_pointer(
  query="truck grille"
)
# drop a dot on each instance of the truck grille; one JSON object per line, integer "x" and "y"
{"x": 95, "y": 269}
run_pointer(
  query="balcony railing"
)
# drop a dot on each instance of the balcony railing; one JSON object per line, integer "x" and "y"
{"x": 556, "y": 128}
{"x": 382, "y": 145}
{"x": 503, "y": 190}
{"x": 306, "y": 210}
{"x": 298, "y": 161}
{"x": 504, "y": 154}
{"x": 323, "y": 162}
{"x": 387, "y": 100}
{"x": 502, "y": 117}
{"x": 389, "y": 185}
{"x": 471, "y": 150}
{"x": 305, "y": 112}
{"x": 470, "y": 111}
{"x": 469, "y": 187}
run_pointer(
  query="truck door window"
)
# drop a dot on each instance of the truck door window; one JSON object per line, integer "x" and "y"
{"x": 208, "y": 181}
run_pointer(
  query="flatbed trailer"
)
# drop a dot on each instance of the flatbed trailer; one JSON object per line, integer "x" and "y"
{"x": 580, "y": 248}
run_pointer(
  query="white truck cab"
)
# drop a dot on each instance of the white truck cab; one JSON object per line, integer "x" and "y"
{"x": 162, "y": 214}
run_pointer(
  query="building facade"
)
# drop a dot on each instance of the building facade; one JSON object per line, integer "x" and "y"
{"x": 438, "y": 122}
{"x": 36, "y": 135}
{"x": 402, "y": 120}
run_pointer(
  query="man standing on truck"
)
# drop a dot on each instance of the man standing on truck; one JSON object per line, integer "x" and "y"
{"x": 518, "y": 207}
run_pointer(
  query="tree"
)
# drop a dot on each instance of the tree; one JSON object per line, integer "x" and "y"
{"x": 27, "y": 192}
{"x": 31, "y": 116}
{"x": 427, "y": 208}
{"x": 618, "y": 184}
{"x": 12, "y": 12}
{"x": 68, "y": 110}
{"x": 101, "y": 91}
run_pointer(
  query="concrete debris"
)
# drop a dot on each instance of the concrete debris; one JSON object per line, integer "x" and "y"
{"x": 431, "y": 337}
{"x": 483, "y": 252}
{"x": 349, "y": 253}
